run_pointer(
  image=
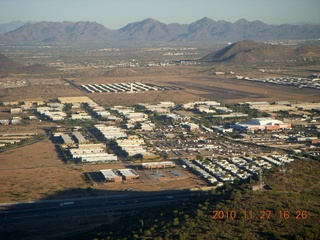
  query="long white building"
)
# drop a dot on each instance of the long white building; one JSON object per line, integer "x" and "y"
{"x": 91, "y": 153}
{"x": 262, "y": 124}
{"x": 111, "y": 132}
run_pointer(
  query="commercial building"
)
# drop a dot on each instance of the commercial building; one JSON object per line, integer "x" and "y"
{"x": 80, "y": 139}
{"x": 111, "y": 175}
{"x": 191, "y": 105}
{"x": 66, "y": 139}
{"x": 110, "y": 132}
{"x": 132, "y": 146}
{"x": 157, "y": 165}
{"x": 128, "y": 174}
{"x": 262, "y": 124}
{"x": 91, "y": 153}
{"x": 79, "y": 99}
{"x": 15, "y": 110}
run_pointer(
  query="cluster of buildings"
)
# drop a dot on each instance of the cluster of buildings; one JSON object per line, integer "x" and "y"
{"x": 300, "y": 82}
{"x": 214, "y": 108}
{"x": 218, "y": 171}
{"x": 13, "y": 138}
{"x": 55, "y": 111}
{"x": 160, "y": 108}
{"x": 12, "y": 120}
{"x": 130, "y": 115}
{"x": 282, "y": 106}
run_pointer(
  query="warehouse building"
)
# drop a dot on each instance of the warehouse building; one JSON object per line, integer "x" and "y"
{"x": 110, "y": 132}
{"x": 80, "y": 139}
{"x": 128, "y": 174}
{"x": 66, "y": 139}
{"x": 91, "y": 153}
{"x": 79, "y": 99}
{"x": 158, "y": 165}
{"x": 262, "y": 124}
{"x": 111, "y": 175}
{"x": 132, "y": 146}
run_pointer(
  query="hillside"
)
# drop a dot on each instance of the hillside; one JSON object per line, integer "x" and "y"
{"x": 153, "y": 32}
{"x": 289, "y": 211}
{"x": 7, "y": 63}
{"x": 248, "y": 51}
{"x": 7, "y": 66}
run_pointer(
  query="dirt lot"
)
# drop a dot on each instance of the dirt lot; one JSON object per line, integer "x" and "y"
{"x": 37, "y": 172}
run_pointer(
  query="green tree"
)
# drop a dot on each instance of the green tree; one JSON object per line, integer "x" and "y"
{"x": 176, "y": 221}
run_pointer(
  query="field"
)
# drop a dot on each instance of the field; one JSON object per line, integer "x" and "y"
{"x": 36, "y": 172}
{"x": 196, "y": 83}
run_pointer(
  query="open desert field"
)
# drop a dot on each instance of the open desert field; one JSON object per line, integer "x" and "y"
{"x": 36, "y": 172}
{"x": 222, "y": 89}
{"x": 196, "y": 82}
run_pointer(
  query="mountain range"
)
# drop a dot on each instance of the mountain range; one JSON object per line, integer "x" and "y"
{"x": 153, "y": 32}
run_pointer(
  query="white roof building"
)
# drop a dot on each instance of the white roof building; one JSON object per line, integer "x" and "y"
{"x": 260, "y": 124}
{"x": 111, "y": 132}
{"x": 91, "y": 153}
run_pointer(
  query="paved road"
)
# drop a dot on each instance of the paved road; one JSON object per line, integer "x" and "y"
{"x": 23, "y": 211}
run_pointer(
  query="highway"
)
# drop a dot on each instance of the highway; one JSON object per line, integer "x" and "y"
{"x": 23, "y": 211}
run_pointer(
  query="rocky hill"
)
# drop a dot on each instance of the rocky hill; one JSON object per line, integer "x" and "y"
{"x": 153, "y": 32}
{"x": 248, "y": 51}
{"x": 7, "y": 66}
{"x": 7, "y": 63}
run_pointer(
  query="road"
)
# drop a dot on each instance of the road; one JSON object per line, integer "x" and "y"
{"x": 23, "y": 211}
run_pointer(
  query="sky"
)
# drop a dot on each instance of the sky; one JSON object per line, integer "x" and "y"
{"x": 115, "y": 14}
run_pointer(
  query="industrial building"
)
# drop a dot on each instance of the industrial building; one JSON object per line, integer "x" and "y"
{"x": 128, "y": 174}
{"x": 111, "y": 175}
{"x": 158, "y": 165}
{"x": 79, "y": 99}
{"x": 132, "y": 146}
{"x": 191, "y": 105}
{"x": 80, "y": 139}
{"x": 262, "y": 124}
{"x": 162, "y": 107}
{"x": 110, "y": 132}
{"x": 66, "y": 139}
{"x": 91, "y": 153}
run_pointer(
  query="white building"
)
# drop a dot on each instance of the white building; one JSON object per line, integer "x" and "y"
{"x": 111, "y": 132}
{"x": 262, "y": 124}
{"x": 91, "y": 153}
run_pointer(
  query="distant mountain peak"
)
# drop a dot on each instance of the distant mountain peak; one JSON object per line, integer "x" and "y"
{"x": 242, "y": 21}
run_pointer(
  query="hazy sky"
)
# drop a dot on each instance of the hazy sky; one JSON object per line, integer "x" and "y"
{"x": 115, "y": 14}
